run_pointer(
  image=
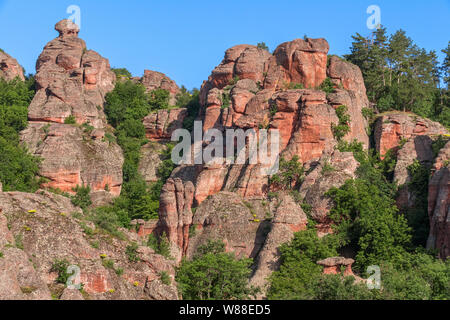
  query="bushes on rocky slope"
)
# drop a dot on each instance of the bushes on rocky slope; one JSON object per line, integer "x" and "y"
{"x": 125, "y": 108}
{"x": 214, "y": 275}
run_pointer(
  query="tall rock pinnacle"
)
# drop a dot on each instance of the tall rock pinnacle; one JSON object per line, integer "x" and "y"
{"x": 71, "y": 84}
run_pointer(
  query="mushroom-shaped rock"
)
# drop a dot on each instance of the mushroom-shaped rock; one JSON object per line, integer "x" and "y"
{"x": 67, "y": 28}
{"x": 333, "y": 265}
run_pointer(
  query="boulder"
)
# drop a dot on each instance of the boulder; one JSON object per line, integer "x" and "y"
{"x": 10, "y": 69}
{"x": 153, "y": 80}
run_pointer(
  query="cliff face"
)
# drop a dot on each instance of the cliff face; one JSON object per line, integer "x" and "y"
{"x": 71, "y": 84}
{"x": 249, "y": 89}
{"x": 439, "y": 204}
{"x": 253, "y": 89}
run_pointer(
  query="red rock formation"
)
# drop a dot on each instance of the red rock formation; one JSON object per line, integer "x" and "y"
{"x": 51, "y": 232}
{"x": 9, "y": 67}
{"x": 161, "y": 124}
{"x": 72, "y": 81}
{"x": 176, "y": 215}
{"x": 334, "y": 265}
{"x": 288, "y": 219}
{"x": 156, "y": 80}
{"x": 250, "y": 90}
{"x": 439, "y": 204}
{"x": 391, "y": 128}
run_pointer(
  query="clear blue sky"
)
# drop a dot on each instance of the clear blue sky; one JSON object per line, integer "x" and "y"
{"x": 187, "y": 39}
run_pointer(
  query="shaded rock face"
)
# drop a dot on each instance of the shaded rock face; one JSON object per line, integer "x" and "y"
{"x": 34, "y": 241}
{"x": 252, "y": 89}
{"x": 73, "y": 81}
{"x": 287, "y": 219}
{"x": 10, "y": 68}
{"x": 151, "y": 159}
{"x": 439, "y": 204}
{"x": 153, "y": 80}
{"x": 330, "y": 171}
{"x": 229, "y": 218}
{"x": 410, "y": 138}
{"x": 390, "y": 129}
{"x": 161, "y": 124}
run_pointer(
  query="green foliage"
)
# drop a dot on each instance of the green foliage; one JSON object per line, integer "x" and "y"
{"x": 400, "y": 75}
{"x": 131, "y": 252}
{"x": 60, "y": 267}
{"x": 293, "y": 85}
{"x": 343, "y": 126}
{"x": 70, "y": 120}
{"x": 299, "y": 273}
{"x": 122, "y": 73}
{"x": 190, "y": 101}
{"x": 165, "y": 278}
{"x": 262, "y": 45}
{"x": 417, "y": 216}
{"x": 214, "y": 275}
{"x": 327, "y": 86}
{"x": 109, "y": 220}
{"x": 161, "y": 245}
{"x": 290, "y": 174}
{"x": 125, "y": 108}
{"x": 368, "y": 113}
{"x": 18, "y": 169}
{"x": 82, "y": 197}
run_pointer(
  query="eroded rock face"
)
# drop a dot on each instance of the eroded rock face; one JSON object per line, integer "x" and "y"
{"x": 156, "y": 80}
{"x": 333, "y": 265}
{"x": 331, "y": 171}
{"x": 43, "y": 229}
{"x": 288, "y": 219}
{"x": 410, "y": 138}
{"x": 252, "y": 89}
{"x": 161, "y": 124}
{"x": 72, "y": 82}
{"x": 227, "y": 217}
{"x": 390, "y": 129}
{"x": 438, "y": 204}
{"x": 70, "y": 158}
{"x": 10, "y": 68}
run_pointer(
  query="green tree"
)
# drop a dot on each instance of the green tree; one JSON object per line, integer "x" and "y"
{"x": 214, "y": 275}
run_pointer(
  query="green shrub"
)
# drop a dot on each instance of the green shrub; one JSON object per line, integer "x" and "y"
{"x": 82, "y": 197}
{"x": 161, "y": 245}
{"x": 60, "y": 267}
{"x": 290, "y": 174}
{"x": 165, "y": 278}
{"x": 70, "y": 120}
{"x": 343, "y": 127}
{"x": 214, "y": 275}
{"x": 262, "y": 45}
{"x": 131, "y": 252}
{"x": 327, "y": 86}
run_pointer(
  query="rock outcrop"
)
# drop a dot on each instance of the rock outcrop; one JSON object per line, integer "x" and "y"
{"x": 335, "y": 265}
{"x": 37, "y": 230}
{"x": 161, "y": 124}
{"x": 394, "y": 127}
{"x": 409, "y": 138}
{"x": 153, "y": 80}
{"x": 439, "y": 204}
{"x": 253, "y": 89}
{"x": 288, "y": 219}
{"x": 71, "y": 84}
{"x": 10, "y": 69}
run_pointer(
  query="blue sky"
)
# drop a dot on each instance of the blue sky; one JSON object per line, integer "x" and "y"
{"x": 187, "y": 39}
